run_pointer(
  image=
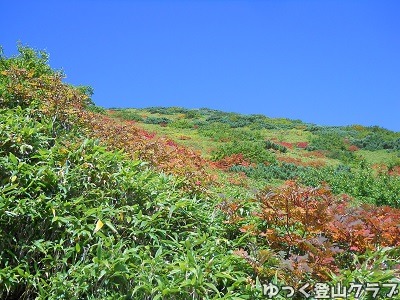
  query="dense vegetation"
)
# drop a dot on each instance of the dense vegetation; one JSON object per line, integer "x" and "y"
{"x": 172, "y": 203}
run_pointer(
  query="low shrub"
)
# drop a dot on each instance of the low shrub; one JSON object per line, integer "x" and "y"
{"x": 271, "y": 145}
{"x": 304, "y": 235}
{"x": 254, "y": 152}
{"x": 158, "y": 121}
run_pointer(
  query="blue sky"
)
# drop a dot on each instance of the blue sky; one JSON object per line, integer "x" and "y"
{"x": 324, "y": 62}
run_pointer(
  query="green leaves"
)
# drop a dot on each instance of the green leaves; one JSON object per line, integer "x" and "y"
{"x": 255, "y": 152}
{"x": 95, "y": 223}
{"x": 85, "y": 220}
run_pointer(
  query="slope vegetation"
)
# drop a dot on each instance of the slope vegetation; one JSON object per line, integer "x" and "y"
{"x": 135, "y": 205}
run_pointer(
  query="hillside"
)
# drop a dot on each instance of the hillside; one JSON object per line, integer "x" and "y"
{"x": 171, "y": 203}
{"x": 363, "y": 162}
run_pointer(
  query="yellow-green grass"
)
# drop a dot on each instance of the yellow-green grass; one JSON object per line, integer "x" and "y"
{"x": 378, "y": 156}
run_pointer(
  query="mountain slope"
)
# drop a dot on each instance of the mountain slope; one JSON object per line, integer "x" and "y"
{"x": 96, "y": 207}
{"x": 363, "y": 162}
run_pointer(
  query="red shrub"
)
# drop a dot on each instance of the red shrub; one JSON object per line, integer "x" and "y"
{"x": 309, "y": 227}
{"x": 285, "y": 144}
{"x": 302, "y": 145}
{"x": 315, "y": 153}
{"x": 353, "y": 148}
{"x": 232, "y": 160}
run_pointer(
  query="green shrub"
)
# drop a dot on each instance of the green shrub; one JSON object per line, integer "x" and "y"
{"x": 127, "y": 114}
{"x": 192, "y": 114}
{"x": 271, "y": 145}
{"x": 98, "y": 225}
{"x": 376, "y": 141}
{"x": 182, "y": 124}
{"x": 155, "y": 120}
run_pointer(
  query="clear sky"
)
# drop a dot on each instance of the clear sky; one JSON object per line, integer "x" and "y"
{"x": 322, "y": 61}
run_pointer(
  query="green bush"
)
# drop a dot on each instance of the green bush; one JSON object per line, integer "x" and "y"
{"x": 271, "y": 145}
{"x": 98, "y": 225}
{"x": 192, "y": 114}
{"x": 182, "y": 124}
{"x": 327, "y": 141}
{"x": 155, "y": 120}
{"x": 128, "y": 115}
{"x": 375, "y": 141}
{"x": 221, "y": 132}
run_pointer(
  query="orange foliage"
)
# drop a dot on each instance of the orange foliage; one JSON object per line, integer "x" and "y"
{"x": 66, "y": 105}
{"x": 317, "y": 163}
{"x": 309, "y": 228}
{"x": 365, "y": 227}
{"x": 285, "y": 144}
{"x": 161, "y": 152}
{"x": 353, "y": 148}
{"x": 395, "y": 171}
{"x": 384, "y": 169}
{"x": 239, "y": 179}
{"x": 232, "y": 160}
{"x": 315, "y": 154}
{"x": 302, "y": 145}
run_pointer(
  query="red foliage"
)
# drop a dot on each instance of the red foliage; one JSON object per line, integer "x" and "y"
{"x": 285, "y": 144}
{"x": 239, "y": 179}
{"x": 365, "y": 227}
{"x": 171, "y": 143}
{"x": 309, "y": 228}
{"x": 384, "y": 169}
{"x": 353, "y": 148}
{"x": 314, "y": 154}
{"x": 302, "y": 145}
{"x": 162, "y": 153}
{"x": 395, "y": 171}
{"x": 67, "y": 106}
{"x": 232, "y": 160}
{"x": 317, "y": 163}
{"x": 148, "y": 135}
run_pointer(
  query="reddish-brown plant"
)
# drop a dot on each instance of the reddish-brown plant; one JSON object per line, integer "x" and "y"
{"x": 309, "y": 228}
{"x": 232, "y": 160}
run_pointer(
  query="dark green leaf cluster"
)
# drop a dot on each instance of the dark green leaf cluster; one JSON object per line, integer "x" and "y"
{"x": 327, "y": 141}
{"x": 233, "y": 120}
{"x": 368, "y": 138}
{"x": 155, "y": 120}
{"x": 128, "y": 115}
{"x": 271, "y": 145}
{"x": 166, "y": 110}
{"x": 376, "y": 141}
